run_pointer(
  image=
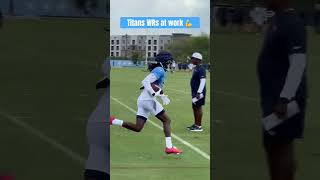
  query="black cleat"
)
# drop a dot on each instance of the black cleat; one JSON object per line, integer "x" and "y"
{"x": 190, "y": 126}
{"x": 195, "y": 128}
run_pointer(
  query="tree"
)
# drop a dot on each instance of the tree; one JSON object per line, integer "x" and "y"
{"x": 184, "y": 48}
{"x": 135, "y": 57}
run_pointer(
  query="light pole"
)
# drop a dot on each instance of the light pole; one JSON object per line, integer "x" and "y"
{"x": 146, "y": 61}
{"x": 126, "y": 46}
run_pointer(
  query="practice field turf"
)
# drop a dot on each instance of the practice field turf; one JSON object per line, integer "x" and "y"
{"x": 141, "y": 156}
{"x": 237, "y": 137}
{"x": 48, "y": 71}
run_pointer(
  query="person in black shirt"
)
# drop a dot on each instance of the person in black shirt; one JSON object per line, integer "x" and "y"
{"x": 198, "y": 91}
{"x": 282, "y": 78}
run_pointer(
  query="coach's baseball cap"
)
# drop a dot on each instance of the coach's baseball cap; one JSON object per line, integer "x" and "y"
{"x": 197, "y": 56}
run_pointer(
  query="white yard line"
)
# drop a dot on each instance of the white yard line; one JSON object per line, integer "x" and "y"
{"x": 197, "y": 150}
{"x": 55, "y": 144}
{"x": 222, "y": 93}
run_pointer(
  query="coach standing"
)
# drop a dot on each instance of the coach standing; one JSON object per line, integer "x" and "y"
{"x": 198, "y": 91}
{"x": 282, "y": 76}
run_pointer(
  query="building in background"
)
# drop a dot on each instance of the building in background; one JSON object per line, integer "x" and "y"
{"x": 142, "y": 46}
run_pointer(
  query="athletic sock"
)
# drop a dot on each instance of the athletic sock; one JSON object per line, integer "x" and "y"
{"x": 168, "y": 142}
{"x": 117, "y": 122}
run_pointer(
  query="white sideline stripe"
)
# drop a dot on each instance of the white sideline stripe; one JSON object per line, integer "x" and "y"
{"x": 205, "y": 155}
{"x": 71, "y": 154}
{"x": 223, "y": 93}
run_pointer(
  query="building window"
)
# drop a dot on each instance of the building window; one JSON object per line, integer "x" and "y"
{"x": 149, "y": 41}
{"x": 133, "y": 42}
{"x": 154, "y": 41}
{"x": 149, "y": 54}
{"x": 155, "y": 48}
{"x": 112, "y": 41}
{"x": 149, "y": 48}
{"x": 168, "y": 41}
{"x": 161, "y": 47}
{"x": 112, "y": 48}
{"x": 139, "y": 47}
{"x": 139, "y": 41}
{"x": 117, "y": 48}
{"x": 112, "y": 54}
{"x": 117, "y": 54}
{"x": 123, "y": 41}
{"x": 133, "y": 47}
{"x": 154, "y": 54}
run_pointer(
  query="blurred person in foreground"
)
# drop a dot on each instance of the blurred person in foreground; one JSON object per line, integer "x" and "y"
{"x": 97, "y": 165}
{"x": 282, "y": 77}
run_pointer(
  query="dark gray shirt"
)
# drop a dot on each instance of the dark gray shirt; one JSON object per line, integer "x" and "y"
{"x": 286, "y": 35}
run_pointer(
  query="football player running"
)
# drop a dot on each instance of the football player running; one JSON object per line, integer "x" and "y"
{"x": 147, "y": 102}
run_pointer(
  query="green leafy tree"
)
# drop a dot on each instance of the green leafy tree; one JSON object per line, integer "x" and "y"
{"x": 184, "y": 48}
{"x": 135, "y": 57}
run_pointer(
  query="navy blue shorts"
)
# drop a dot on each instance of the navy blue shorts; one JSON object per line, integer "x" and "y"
{"x": 289, "y": 130}
{"x": 200, "y": 102}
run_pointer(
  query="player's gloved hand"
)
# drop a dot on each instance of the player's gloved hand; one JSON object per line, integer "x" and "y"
{"x": 198, "y": 95}
{"x": 165, "y": 99}
{"x": 158, "y": 93}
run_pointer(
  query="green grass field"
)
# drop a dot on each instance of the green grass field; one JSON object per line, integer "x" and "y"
{"x": 141, "y": 156}
{"x": 48, "y": 70}
{"x": 237, "y": 134}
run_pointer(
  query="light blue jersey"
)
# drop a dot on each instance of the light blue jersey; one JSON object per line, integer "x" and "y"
{"x": 160, "y": 74}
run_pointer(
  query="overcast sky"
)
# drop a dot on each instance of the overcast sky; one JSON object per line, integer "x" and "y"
{"x": 125, "y": 8}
